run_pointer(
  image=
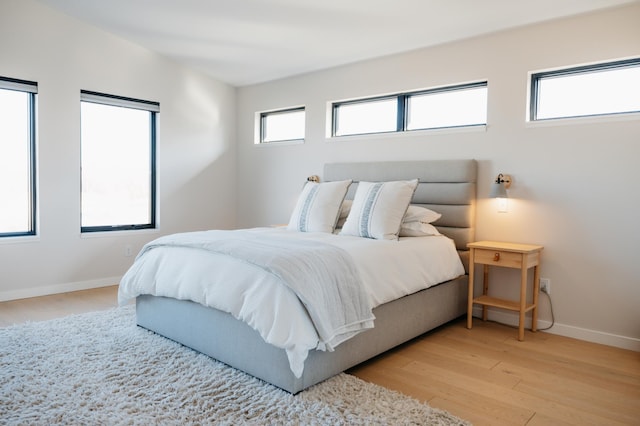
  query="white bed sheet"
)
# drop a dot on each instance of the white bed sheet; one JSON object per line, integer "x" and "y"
{"x": 388, "y": 270}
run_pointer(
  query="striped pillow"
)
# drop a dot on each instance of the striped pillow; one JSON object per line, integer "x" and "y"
{"x": 378, "y": 209}
{"x": 318, "y": 206}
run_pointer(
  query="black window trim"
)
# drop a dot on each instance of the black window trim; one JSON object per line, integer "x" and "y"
{"x": 121, "y": 101}
{"x": 265, "y": 114}
{"x": 153, "y": 108}
{"x": 402, "y": 108}
{"x": 581, "y": 69}
{"x": 31, "y": 88}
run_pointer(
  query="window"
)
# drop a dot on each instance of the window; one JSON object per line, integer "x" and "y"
{"x": 118, "y": 141}
{"x": 455, "y": 107}
{"x": 452, "y": 106}
{"x": 17, "y": 157}
{"x": 367, "y": 116}
{"x": 608, "y": 88}
{"x": 282, "y": 126}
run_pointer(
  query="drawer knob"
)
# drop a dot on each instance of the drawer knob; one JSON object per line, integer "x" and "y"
{"x": 496, "y": 257}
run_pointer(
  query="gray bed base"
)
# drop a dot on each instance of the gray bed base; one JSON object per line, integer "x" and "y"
{"x": 238, "y": 345}
{"x": 447, "y": 186}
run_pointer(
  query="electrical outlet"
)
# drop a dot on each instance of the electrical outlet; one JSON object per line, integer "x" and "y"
{"x": 545, "y": 285}
{"x": 128, "y": 250}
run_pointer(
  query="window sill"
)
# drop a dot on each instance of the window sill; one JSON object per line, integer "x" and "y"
{"x": 279, "y": 143}
{"x": 20, "y": 239}
{"x": 119, "y": 233}
{"x": 589, "y": 119}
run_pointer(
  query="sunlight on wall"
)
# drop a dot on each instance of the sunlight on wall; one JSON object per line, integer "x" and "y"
{"x": 199, "y": 107}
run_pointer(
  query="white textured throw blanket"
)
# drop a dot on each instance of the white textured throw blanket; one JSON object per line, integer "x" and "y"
{"x": 322, "y": 276}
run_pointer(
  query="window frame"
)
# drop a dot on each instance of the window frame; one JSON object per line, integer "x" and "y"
{"x": 153, "y": 108}
{"x": 402, "y": 109}
{"x": 261, "y": 128}
{"x": 31, "y": 89}
{"x": 400, "y": 105}
{"x": 536, "y": 77}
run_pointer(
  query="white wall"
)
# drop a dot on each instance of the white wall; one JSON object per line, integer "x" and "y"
{"x": 196, "y": 153}
{"x": 575, "y": 189}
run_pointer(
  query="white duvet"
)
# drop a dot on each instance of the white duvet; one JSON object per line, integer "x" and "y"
{"x": 388, "y": 270}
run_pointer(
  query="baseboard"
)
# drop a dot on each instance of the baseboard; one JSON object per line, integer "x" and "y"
{"x": 57, "y": 288}
{"x": 594, "y": 336}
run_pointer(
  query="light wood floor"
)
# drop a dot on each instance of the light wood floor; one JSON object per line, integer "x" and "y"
{"x": 483, "y": 375}
{"x": 57, "y": 305}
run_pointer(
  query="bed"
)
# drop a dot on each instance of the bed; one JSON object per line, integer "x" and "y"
{"x": 445, "y": 186}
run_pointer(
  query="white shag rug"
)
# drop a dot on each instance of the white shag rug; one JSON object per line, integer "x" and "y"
{"x": 101, "y": 369}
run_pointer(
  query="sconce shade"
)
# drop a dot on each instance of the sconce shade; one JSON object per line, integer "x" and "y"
{"x": 500, "y": 185}
{"x": 498, "y": 191}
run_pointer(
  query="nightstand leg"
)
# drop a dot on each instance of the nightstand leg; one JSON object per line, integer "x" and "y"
{"x": 536, "y": 293}
{"x": 523, "y": 301}
{"x": 485, "y": 290}
{"x": 470, "y": 289}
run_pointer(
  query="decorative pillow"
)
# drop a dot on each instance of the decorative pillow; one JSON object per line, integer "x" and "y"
{"x": 378, "y": 209}
{"x": 318, "y": 206}
{"x": 418, "y": 229}
{"x": 420, "y": 214}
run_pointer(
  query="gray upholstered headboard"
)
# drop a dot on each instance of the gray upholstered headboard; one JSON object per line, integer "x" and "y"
{"x": 445, "y": 186}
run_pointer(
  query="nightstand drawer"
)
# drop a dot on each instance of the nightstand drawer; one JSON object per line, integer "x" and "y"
{"x": 498, "y": 257}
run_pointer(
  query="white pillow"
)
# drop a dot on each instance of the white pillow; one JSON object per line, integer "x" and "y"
{"x": 418, "y": 229}
{"x": 378, "y": 209}
{"x": 420, "y": 214}
{"x": 318, "y": 206}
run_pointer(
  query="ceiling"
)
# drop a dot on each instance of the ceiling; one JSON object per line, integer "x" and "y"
{"x": 243, "y": 42}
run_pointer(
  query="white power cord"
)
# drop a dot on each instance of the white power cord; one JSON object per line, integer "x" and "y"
{"x": 553, "y": 319}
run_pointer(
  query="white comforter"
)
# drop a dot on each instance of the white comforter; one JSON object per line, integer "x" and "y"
{"x": 388, "y": 270}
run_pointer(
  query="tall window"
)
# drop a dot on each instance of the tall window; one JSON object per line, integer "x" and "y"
{"x": 282, "y": 125}
{"x": 451, "y": 106}
{"x": 118, "y": 141}
{"x": 17, "y": 157}
{"x": 608, "y": 88}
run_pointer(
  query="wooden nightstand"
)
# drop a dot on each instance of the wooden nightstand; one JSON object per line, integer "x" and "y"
{"x": 506, "y": 255}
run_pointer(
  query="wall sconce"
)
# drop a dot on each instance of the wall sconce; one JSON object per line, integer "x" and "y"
{"x": 499, "y": 191}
